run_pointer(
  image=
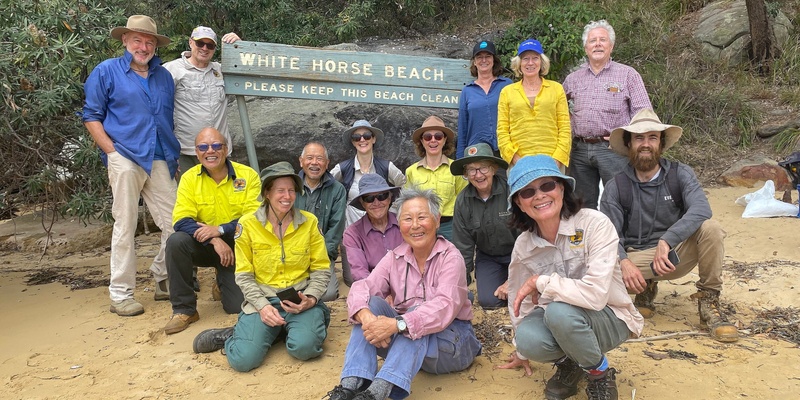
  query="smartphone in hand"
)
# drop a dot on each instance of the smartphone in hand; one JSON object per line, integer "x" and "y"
{"x": 289, "y": 294}
{"x": 673, "y": 258}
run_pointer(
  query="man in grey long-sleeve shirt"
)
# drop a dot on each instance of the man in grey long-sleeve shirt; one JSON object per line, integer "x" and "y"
{"x": 656, "y": 222}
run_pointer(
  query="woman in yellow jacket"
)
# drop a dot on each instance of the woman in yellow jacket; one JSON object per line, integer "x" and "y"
{"x": 278, "y": 247}
{"x": 532, "y": 114}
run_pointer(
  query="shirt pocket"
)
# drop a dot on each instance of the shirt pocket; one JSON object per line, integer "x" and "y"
{"x": 266, "y": 260}
{"x": 575, "y": 265}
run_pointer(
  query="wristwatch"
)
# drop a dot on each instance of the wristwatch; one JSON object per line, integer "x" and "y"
{"x": 401, "y": 325}
{"x": 221, "y": 231}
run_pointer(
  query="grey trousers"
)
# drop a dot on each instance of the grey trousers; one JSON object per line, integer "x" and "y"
{"x": 588, "y": 164}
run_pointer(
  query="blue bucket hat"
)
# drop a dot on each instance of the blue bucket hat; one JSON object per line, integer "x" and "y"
{"x": 531, "y": 168}
{"x": 530, "y": 45}
{"x": 373, "y": 183}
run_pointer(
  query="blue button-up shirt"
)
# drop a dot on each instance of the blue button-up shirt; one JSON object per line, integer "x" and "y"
{"x": 131, "y": 115}
{"x": 477, "y": 115}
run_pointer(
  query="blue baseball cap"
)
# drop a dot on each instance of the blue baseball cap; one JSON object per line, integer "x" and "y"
{"x": 530, "y": 44}
{"x": 531, "y": 168}
{"x": 483, "y": 45}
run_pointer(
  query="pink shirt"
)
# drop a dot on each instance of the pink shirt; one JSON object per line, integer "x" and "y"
{"x": 440, "y": 294}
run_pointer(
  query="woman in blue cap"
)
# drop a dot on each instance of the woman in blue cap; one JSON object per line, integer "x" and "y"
{"x": 566, "y": 297}
{"x": 532, "y": 114}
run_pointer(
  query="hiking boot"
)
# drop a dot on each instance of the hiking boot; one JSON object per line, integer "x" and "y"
{"x": 603, "y": 386}
{"x": 127, "y": 308}
{"x": 564, "y": 383}
{"x": 211, "y": 340}
{"x": 644, "y": 301}
{"x": 341, "y": 393}
{"x": 365, "y": 395}
{"x": 711, "y": 317}
{"x": 162, "y": 290}
{"x": 178, "y": 322}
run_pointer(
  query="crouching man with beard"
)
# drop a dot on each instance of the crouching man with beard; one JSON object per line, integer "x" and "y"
{"x": 660, "y": 211}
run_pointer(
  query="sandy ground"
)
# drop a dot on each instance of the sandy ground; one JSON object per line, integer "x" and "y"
{"x": 61, "y": 343}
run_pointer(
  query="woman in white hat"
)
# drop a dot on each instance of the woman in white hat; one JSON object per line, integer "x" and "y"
{"x": 532, "y": 114}
{"x": 567, "y": 300}
{"x": 364, "y": 137}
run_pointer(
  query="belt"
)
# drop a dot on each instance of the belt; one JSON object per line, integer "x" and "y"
{"x": 590, "y": 140}
{"x": 443, "y": 219}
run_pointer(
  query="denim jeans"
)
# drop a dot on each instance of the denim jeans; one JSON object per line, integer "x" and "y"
{"x": 588, "y": 164}
{"x": 450, "y": 350}
{"x": 548, "y": 334}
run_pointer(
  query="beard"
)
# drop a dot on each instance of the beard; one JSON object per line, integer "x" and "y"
{"x": 644, "y": 163}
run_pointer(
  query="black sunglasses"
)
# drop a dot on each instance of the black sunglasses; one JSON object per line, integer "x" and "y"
{"x": 203, "y": 147}
{"x": 544, "y": 188}
{"x": 428, "y": 136}
{"x": 357, "y": 138}
{"x": 369, "y": 198}
{"x": 208, "y": 45}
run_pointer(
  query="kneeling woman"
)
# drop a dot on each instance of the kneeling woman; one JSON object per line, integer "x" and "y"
{"x": 427, "y": 328}
{"x": 567, "y": 300}
{"x": 277, "y": 247}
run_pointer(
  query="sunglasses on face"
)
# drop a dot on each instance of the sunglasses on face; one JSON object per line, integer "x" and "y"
{"x": 544, "y": 188}
{"x": 203, "y": 147}
{"x": 357, "y": 137}
{"x": 428, "y": 136}
{"x": 369, "y": 198}
{"x": 208, "y": 45}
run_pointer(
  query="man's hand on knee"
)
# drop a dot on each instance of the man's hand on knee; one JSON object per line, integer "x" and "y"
{"x": 633, "y": 278}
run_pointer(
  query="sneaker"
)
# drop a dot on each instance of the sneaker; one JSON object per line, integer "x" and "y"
{"x": 178, "y": 322}
{"x": 711, "y": 317}
{"x": 365, "y": 395}
{"x": 564, "y": 383}
{"x": 162, "y": 290}
{"x": 644, "y": 301}
{"x": 341, "y": 393}
{"x": 211, "y": 340}
{"x": 127, "y": 308}
{"x": 603, "y": 386}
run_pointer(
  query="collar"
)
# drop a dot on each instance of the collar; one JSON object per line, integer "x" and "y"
{"x": 392, "y": 220}
{"x": 188, "y": 64}
{"x": 565, "y": 228}
{"x": 231, "y": 171}
{"x": 445, "y": 161}
{"x": 297, "y": 216}
{"x": 127, "y": 57}
{"x": 326, "y": 177}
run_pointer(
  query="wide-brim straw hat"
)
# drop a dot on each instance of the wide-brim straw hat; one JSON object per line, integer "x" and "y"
{"x": 475, "y": 153}
{"x": 362, "y": 123}
{"x": 373, "y": 183}
{"x": 433, "y": 123}
{"x": 279, "y": 170}
{"x": 644, "y": 121}
{"x": 141, "y": 24}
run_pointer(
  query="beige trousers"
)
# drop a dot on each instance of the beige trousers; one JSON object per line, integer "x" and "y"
{"x": 128, "y": 181}
{"x": 704, "y": 249}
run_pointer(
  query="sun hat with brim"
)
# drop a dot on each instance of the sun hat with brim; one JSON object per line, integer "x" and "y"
{"x": 530, "y": 45}
{"x": 363, "y": 124}
{"x": 475, "y": 153}
{"x": 531, "y": 168}
{"x": 373, "y": 183}
{"x": 432, "y": 123}
{"x": 141, "y": 24}
{"x": 644, "y": 121}
{"x": 279, "y": 170}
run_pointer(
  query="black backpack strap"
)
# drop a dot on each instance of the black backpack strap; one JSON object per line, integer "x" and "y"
{"x": 625, "y": 195}
{"x": 674, "y": 186}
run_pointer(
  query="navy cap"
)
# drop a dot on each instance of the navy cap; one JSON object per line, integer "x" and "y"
{"x": 483, "y": 45}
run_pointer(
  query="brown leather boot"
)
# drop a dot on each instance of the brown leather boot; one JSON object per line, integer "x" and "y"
{"x": 564, "y": 383}
{"x": 644, "y": 301}
{"x": 711, "y": 317}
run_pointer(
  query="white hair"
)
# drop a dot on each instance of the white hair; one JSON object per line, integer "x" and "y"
{"x": 599, "y": 24}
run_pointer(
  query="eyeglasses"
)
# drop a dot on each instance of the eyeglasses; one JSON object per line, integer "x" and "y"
{"x": 203, "y": 147}
{"x": 544, "y": 188}
{"x": 428, "y": 136}
{"x": 474, "y": 171}
{"x": 208, "y": 45}
{"x": 357, "y": 138}
{"x": 369, "y": 198}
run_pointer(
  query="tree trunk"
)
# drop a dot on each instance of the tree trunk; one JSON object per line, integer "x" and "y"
{"x": 762, "y": 40}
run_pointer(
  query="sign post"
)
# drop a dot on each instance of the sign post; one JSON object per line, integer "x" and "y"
{"x": 276, "y": 70}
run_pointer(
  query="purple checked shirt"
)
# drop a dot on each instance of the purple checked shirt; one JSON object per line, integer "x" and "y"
{"x": 366, "y": 246}
{"x": 439, "y": 295}
{"x": 605, "y": 101}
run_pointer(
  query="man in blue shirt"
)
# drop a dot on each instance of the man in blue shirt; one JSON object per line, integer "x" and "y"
{"x": 128, "y": 112}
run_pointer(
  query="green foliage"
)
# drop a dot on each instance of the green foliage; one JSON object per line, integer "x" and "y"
{"x": 558, "y": 25}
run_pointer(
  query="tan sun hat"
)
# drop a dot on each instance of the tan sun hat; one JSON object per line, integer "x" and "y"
{"x": 141, "y": 24}
{"x": 433, "y": 123}
{"x": 644, "y": 121}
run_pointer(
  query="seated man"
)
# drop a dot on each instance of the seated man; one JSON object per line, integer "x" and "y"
{"x": 660, "y": 211}
{"x": 326, "y": 198}
{"x": 376, "y": 233}
{"x": 427, "y": 327}
{"x": 211, "y": 198}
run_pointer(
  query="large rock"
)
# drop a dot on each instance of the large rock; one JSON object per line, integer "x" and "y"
{"x": 748, "y": 173}
{"x": 723, "y": 31}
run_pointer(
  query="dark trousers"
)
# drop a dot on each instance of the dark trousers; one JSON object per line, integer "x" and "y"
{"x": 490, "y": 273}
{"x": 183, "y": 253}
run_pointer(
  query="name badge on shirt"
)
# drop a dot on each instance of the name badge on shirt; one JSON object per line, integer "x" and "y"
{"x": 577, "y": 238}
{"x": 238, "y": 231}
{"x": 239, "y": 184}
{"x": 614, "y": 87}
